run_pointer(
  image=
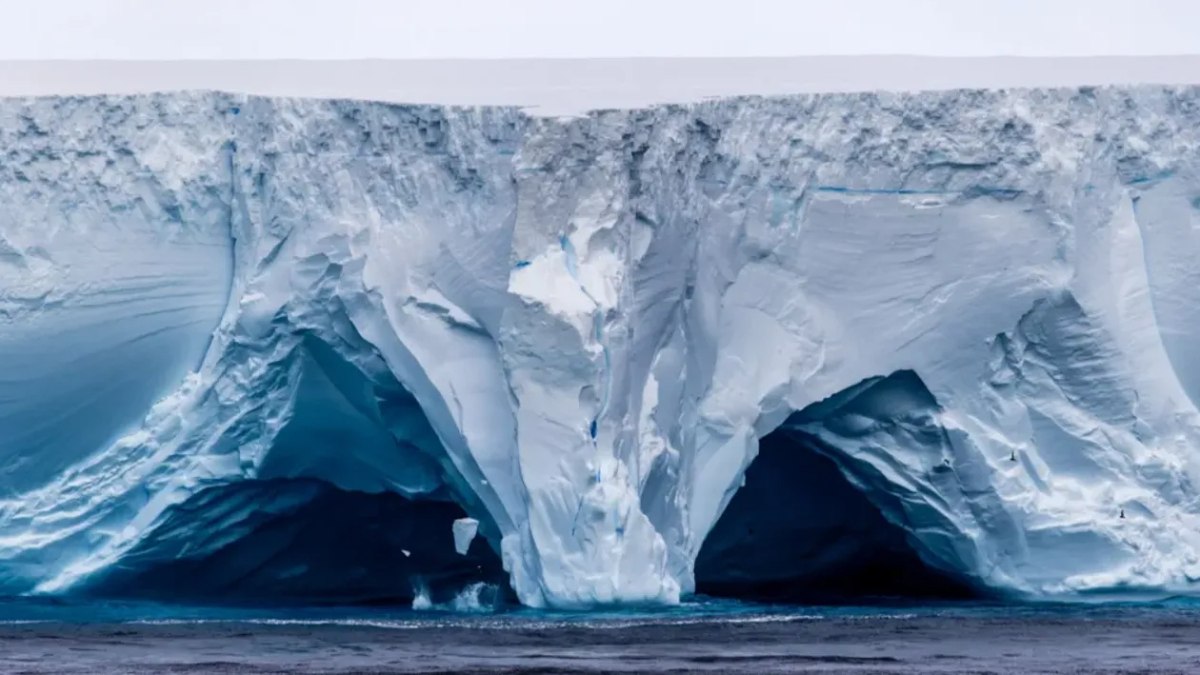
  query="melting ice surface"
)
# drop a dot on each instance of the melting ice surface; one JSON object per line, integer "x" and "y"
{"x": 282, "y": 346}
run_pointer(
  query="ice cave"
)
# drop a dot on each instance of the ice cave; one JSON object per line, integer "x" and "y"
{"x": 815, "y": 523}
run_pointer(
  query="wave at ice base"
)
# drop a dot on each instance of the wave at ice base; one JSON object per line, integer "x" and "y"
{"x": 578, "y": 329}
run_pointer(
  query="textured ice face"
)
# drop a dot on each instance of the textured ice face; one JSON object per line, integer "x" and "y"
{"x": 579, "y": 328}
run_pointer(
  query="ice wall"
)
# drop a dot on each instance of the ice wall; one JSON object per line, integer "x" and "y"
{"x": 578, "y": 328}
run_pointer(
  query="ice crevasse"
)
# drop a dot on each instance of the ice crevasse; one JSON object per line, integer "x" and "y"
{"x": 981, "y": 307}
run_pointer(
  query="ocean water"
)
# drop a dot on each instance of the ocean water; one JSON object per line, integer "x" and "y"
{"x": 44, "y": 636}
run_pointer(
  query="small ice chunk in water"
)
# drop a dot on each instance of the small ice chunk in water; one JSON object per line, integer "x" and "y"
{"x": 464, "y": 533}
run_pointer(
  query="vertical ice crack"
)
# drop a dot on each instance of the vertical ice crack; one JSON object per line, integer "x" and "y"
{"x": 572, "y": 265}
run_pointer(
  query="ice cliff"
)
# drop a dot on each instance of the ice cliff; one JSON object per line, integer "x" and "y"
{"x": 977, "y": 310}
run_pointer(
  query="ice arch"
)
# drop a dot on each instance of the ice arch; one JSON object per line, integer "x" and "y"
{"x": 337, "y": 472}
{"x": 817, "y": 518}
{"x": 352, "y": 500}
{"x": 338, "y": 312}
{"x": 798, "y": 530}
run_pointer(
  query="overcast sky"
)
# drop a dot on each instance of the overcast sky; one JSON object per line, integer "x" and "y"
{"x": 339, "y": 29}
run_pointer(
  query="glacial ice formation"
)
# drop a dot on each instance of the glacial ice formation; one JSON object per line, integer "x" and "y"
{"x": 976, "y": 307}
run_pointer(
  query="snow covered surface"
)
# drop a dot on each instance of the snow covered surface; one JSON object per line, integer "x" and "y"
{"x": 980, "y": 304}
{"x": 550, "y": 87}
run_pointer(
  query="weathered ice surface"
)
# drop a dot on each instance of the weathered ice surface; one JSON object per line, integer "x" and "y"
{"x": 979, "y": 306}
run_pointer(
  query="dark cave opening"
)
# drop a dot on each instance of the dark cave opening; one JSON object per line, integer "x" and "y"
{"x": 799, "y": 531}
{"x": 304, "y": 541}
{"x": 353, "y": 503}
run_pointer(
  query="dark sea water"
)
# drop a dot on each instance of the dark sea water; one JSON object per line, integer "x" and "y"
{"x": 702, "y": 636}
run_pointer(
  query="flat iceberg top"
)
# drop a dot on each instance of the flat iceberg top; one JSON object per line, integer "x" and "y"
{"x": 567, "y": 86}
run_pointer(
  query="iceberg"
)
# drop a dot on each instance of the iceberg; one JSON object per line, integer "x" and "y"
{"x": 948, "y": 334}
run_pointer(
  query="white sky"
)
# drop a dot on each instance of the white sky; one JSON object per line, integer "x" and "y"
{"x": 342, "y": 29}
